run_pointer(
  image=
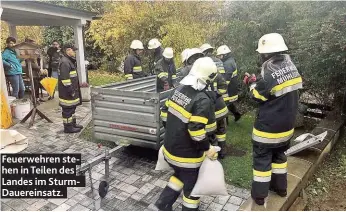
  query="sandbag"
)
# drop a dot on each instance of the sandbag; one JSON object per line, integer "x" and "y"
{"x": 162, "y": 164}
{"x": 211, "y": 180}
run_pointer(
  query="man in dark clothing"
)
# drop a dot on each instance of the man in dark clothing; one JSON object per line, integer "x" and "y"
{"x": 192, "y": 55}
{"x": 155, "y": 47}
{"x": 54, "y": 59}
{"x": 165, "y": 71}
{"x": 132, "y": 63}
{"x": 69, "y": 90}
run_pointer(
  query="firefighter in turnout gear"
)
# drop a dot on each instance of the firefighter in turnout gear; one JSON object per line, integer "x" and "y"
{"x": 69, "y": 90}
{"x": 155, "y": 47}
{"x": 132, "y": 63}
{"x": 231, "y": 77}
{"x": 191, "y": 56}
{"x": 165, "y": 71}
{"x": 276, "y": 90}
{"x": 219, "y": 90}
{"x": 185, "y": 115}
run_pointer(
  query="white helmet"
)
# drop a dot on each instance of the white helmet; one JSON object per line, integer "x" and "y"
{"x": 154, "y": 43}
{"x": 136, "y": 44}
{"x": 168, "y": 53}
{"x": 224, "y": 49}
{"x": 271, "y": 43}
{"x": 194, "y": 51}
{"x": 204, "y": 69}
{"x": 184, "y": 55}
{"x": 205, "y": 47}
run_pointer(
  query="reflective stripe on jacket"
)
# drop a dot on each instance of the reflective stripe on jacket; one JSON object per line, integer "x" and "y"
{"x": 133, "y": 67}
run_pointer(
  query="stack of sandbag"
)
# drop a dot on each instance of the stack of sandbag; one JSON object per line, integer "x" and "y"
{"x": 162, "y": 164}
{"x": 12, "y": 141}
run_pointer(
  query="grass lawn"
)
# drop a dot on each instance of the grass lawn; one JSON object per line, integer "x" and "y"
{"x": 238, "y": 163}
{"x": 97, "y": 78}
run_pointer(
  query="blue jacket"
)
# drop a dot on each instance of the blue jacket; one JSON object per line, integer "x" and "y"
{"x": 9, "y": 58}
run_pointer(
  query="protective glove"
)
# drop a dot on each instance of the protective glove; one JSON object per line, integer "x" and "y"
{"x": 249, "y": 78}
{"x": 211, "y": 153}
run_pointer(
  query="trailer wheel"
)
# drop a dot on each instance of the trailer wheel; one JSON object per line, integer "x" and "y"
{"x": 103, "y": 189}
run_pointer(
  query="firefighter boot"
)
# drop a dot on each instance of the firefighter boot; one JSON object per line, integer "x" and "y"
{"x": 281, "y": 193}
{"x": 259, "y": 201}
{"x": 69, "y": 128}
{"x": 167, "y": 199}
{"x": 75, "y": 125}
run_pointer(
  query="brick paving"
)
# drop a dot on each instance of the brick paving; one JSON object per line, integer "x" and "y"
{"x": 134, "y": 184}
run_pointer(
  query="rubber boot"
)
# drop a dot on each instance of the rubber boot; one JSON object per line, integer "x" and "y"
{"x": 189, "y": 209}
{"x": 75, "y": 125}
{"x": 68, "y": 128}
{"x": 167, "y": 199}
{"x": 259, "y": 201}
{"x": 281, "y": 193}
{"x": 222, "y": 153}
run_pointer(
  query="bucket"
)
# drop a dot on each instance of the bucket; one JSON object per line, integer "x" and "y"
{"x": 21, "y": 108}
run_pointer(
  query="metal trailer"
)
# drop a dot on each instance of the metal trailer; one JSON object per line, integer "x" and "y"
{"x": 129, "y": 113}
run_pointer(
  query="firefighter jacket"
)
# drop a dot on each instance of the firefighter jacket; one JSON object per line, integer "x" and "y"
{"x": 166, "y": 74}
{"x": 155, "y": 58}
{"x": 231, "y": 77}
{"x": 218, "y": 89}
{"x": 185, "y": 116}
{"x": 276, "y": 90}
{"x": 68, "y": 83}
{"x": 133, "y": 67}
{"x": 183, "y": 72}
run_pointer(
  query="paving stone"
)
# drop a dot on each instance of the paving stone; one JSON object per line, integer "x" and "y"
{"x": 79, "y": 207}
{"x": 29, "y": 201}
{"x": 7, "y": 200}
{"x": 71, "y": 202}
{"x": 123, "y": 196}
{"x": 78, "y": 197}
{"x": 17, "y": 204}
{"x": 215, "y": 207}
{"x": 39, "y": 204}
{"x": 203, "y": 207}
{"x": 139, "y": 183}
{"x": 207, "y": 199}
{"x": 57, "y": 201}
{"x": 137, "y": 196}
{"x": 132, "y": 178}
{"x": 221, "y": 199}
{"x": 5, "y": 207}
{"x": 96, "y": 176}
{"x": 86, "y": 201}
{"x": 153, "y": 196}
{"x": 112, "y": 193}
{"x": 62, "y": 207}
{"x": 140, "y": 172}
{"x": 127, "y": 171}
{"x": 146, "y": 189}
{"x": 230, "y": 207}
{"x": 129, "y": 188}
{"x": 235, "y": 200}
{"x": 160, "y": 183}
{"x": 48, "y": 207}
{"x": 146, "y": 178}
{"x": 179, "y": 208}
{"x": 152, "y": 207}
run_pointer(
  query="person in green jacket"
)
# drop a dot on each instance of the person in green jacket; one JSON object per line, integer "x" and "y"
{"x": 13, "y": 68}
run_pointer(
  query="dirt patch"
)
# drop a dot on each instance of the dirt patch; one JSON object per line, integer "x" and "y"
{"x": 233, "y": 151}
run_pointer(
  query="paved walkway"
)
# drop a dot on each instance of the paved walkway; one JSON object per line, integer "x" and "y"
{"x": 134, "y": 184}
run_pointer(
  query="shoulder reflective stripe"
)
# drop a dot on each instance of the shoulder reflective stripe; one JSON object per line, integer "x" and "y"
{"x": 279, "y": 171}
{"x": 210, "y": 127}
{"x": 227, "y": 82}
{"x": 257, "y": 95}
{"x": 162, "y": 74}
{"x": 167, "y": 103}
{"x": 66, "y": 82}
{"x": 163, "y": 114}
{"x": 288, "y": 89}
{"x": 262, "y": 179}
{"x": 199, "y": 119}
{"x": 179, "y": 111}
{"x": 178, "y": 115}
{"x": 221, "y": 137}
{"x": 225, "y": 95}
{"x": 272, "y": 135}
{"x": 190, "y": 203}
{"x": 215, "y": 84}
{"x": 137, "y": 68}
{"x": 221, "y": 113}
{"x": 69, "y": 102}
{"x": 183, "y": 160}
{"x": 222, "y": 91}
{"x": 279, "y": 165}
{"x": 222, "y": 71}
{"x": 291, "y": 82}
{"x": 235, "y": 73}
{"x": 174, "y": 76}
{"x": 73, "y": 73}
{"x": 262, "y": 174}
{"x": 129, "y": 76}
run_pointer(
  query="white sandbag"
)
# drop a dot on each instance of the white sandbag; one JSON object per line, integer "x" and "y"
{"x": 162, "y": 164}
{"x": 211, "y": 180}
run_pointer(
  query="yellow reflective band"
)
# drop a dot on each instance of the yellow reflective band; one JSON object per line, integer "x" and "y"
{"x": 183, "y": 160}
{"x": 179, "y": 109}
{"x": 221, "y": 136}
{"x": 190, "y": 201}
{"x": 176, "y": 181}
{"x": 163, "y": 114}
{"x": 199, "y": 119}
{"x": 197, "y": 133}
{"x": 279, "y": 165}
{"x": 167, "y": 103}
{"x": 221, "y": 111}
{"x": 162, "y": 74}
{"x": 222, "y": 91}
{"x": 235, "y": 73}
{"x": 257, "y": 95}
{"x": 210, "y": 125}
{"x": 272, "y": 135}
{"x": 262, "y": 174}
{"x": 73, "y": 72}
{"x": 137, "y": 67}
{"x": 222, "y": 71}
{"x": 69, "y": 102}
{"x": 66, "y": 82}
{"x": 286, "y": 84}
{"x": 129, "y": 76}
{"x": 228, "y": 82}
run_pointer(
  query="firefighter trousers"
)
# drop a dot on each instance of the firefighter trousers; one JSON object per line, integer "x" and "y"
{"x": 221, "y": 131}
{"x": 68, "y": 114}
{"x": 231, "y": 107}
{"x": 183, "y": 179}
{"x": 269, "y": 170}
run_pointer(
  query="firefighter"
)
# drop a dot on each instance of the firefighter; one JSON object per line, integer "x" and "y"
{"x": 132, "y": 63}
{"x": 165, "y": 71}
{"x": 219, "y": 90}
{"x": 191, "y": 56}
{"x": 276, "y": 90}
{"x": 69, "y": 90}
{"x": 155, "y": 47}
{"x": 185, "y": 115}
{"x": 231, "y": 77}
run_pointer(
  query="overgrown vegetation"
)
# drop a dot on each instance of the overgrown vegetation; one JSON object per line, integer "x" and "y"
{"x": 97, "y": 78}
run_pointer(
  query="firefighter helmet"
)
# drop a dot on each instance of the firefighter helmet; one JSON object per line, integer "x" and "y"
{"x": 154, "y": 43}
{"x": 136, "y": 44}
{"x": 224, "y": 49}
{"x": 204, "y": 69}
{"x": 194, "y": 51}
{"x": 184, "y": 55}
{"x": 168, "y": 53}
{"x": 206, "y": 47}
{"x": 271, "y": 43}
